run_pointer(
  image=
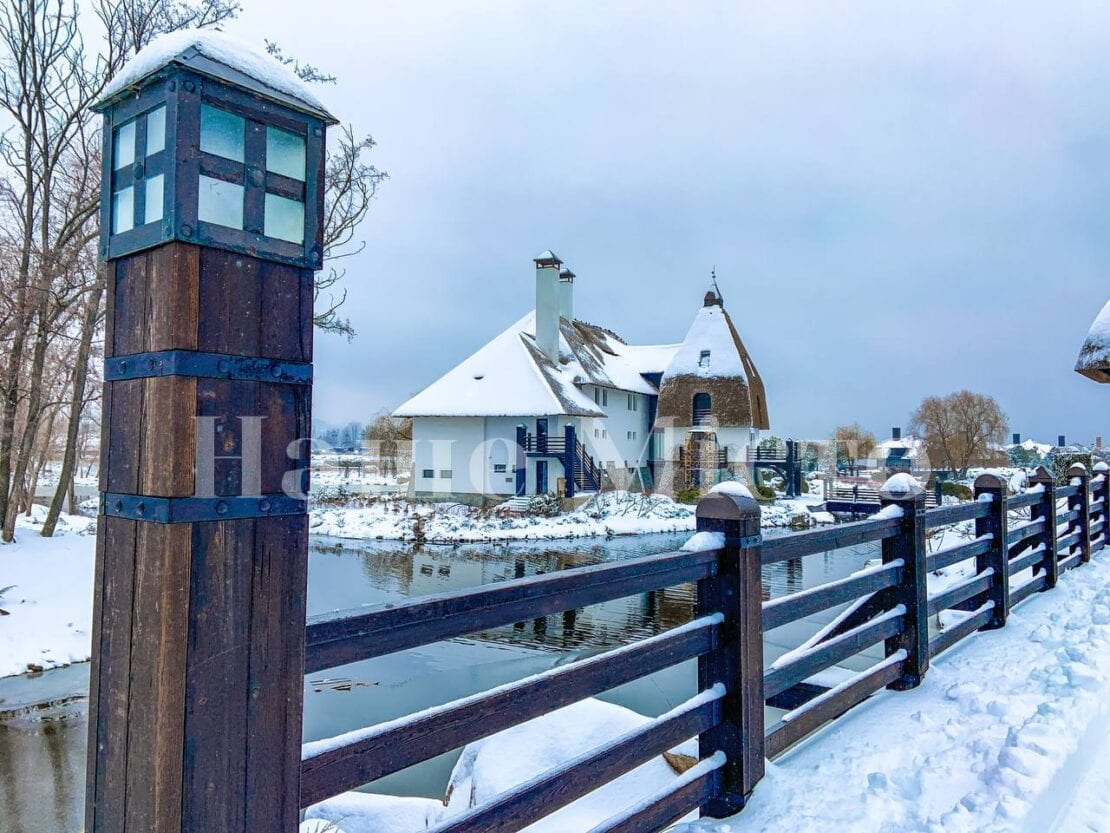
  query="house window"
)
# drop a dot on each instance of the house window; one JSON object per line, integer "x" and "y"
{"x": 499, "y": 468}
{"x": 605, "y": 398}
{"x": 597, "y": 396}
{"x": 428, "y": 474}
{"x": 703, "y": 409}
{"x": 703, "y": 359}
{"x": 604, "y": 433}
{"x": 597, "y": 433}
{"x": 445, "y": 473}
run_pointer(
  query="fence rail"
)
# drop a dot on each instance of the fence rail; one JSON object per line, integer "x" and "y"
{"x": 1009, "y": 558}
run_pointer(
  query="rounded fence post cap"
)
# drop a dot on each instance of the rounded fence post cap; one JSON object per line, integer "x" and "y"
{"x": 1102, "y": 465}
{"x": 1042, "y": 475}
{"x": 901, "y": 486}
{"x": 990, "y": 480}
{"x": 1077, "y": 470}
{"x": 732, "y": 502}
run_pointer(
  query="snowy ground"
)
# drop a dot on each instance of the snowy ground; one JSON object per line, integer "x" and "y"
{"x": 610, "y": 513}
{"x": 50, "y": 597}
{"x": 1009, "y": 732}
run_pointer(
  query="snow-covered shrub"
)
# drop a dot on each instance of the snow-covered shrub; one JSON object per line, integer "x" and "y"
{"x": 546, "y": 506}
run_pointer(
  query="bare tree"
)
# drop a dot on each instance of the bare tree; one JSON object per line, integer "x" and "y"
{"x": 961, "y": 429}
{"x": 853, "y": 443}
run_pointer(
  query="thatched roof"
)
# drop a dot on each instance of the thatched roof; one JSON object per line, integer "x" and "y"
{"x": 712, "y": 359}
{"x": 1094, "y": 356}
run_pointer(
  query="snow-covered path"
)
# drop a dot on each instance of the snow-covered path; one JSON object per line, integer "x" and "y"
{"x": 1009, "y": 732}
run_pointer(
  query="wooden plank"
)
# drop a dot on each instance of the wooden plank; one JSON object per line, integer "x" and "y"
{"x": 339, "y": 638}
{"x": 830, "y": 706}
{"x": 831, "y": 538}
{"x": 944, "y": 515}
{"x": 284, "y": 409}
{"x": 230, "y": 295}
{"x": 167, "y": 458}
{"x": 281, "y": 303}
{"x": 829, "y": 653}
{"x": 961, "y": 592}
{"x": 953, "y": 634}
{"x": 113, "y": 644}
{"x": 1028, "y": 589}
{"x": 130, "y": 303}
{"x": 1071, "y": 490}
{"x": 157, "y": 698}
{"x": 276, "y": 676}
{"x": 954, "y": 555}
{"x": 691, "y": 789}
{"x": 125, "y": 432}
{"x": 463, "y": 721}
{"x": 218, "y": 666}
{"x": 1024, "y": 500}
{"x": 791, "y": 608}
{"x": 95, "y": 678}
{"x": 526, "y": 803}
{"x": 1019, "y": 533}
{"x": 227, "y": 401}
{"x": 1032, "y": 558}
{"x": 174, "y": 281}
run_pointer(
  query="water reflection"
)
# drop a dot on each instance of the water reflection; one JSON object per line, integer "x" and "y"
{"x": 42, "y": 763}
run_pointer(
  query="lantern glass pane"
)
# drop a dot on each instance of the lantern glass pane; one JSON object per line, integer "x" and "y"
{"x": 220, "y": 202}
{"x": 123, "y": 210}
{"x": 284, "y": 219}
{"x": 155, "y": 130}
{"x": 123, "y": 151}
{"x": 284, "y": 153}
{"x": 221, "y": 133}
{"x": 153, "y": 209}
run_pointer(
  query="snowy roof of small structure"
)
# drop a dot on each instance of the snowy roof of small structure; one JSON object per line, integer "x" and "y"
{"x": 650, "y": 358}
{"x": 910, "y": 444}
{"x": 712, "y": 359}
{"x": 1094, "y": 356}
{"x": 218, "y": 56}
{"x": 510, "y": 376}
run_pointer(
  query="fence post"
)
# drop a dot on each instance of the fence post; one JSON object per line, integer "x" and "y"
{"x": 1045, "y": 509}
{"x": 1102, "y": 470}
{"x": 736, "y": 591}
{"x": 1081, "y": 503}
{"x": 998, "y": 557}
{"x": 903, "y": 491}
{"x": 569, "y": 452}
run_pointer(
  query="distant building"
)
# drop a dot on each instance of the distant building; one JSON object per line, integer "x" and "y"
{"x": 1094, "y": 356}
{"x": 556, "y": 405}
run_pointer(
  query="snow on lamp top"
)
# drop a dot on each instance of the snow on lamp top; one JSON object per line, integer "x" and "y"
{"x": 219, "y": 56}
{"x": 1094, "y": 356}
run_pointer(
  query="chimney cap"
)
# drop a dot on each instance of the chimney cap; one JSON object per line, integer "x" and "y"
{"x": 547, "y": 258}
{"x": 567, "y": 275}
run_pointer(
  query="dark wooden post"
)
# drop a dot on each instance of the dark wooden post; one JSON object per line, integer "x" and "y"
{"x": 1045, "y": 510}
{"x": 737, "y": 660}
{"x": 1081, "y": 503}
{"x": 198, "y": 634}
{"x": 908, "y": 545}
{"x": 569, "y": 456}
{"x": 521, "y": 464}
{"x": 993, "y": 488}
{"x": 1102, "y": 474}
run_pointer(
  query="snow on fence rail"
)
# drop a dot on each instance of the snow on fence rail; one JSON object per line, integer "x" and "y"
{"x": 888, "y": 604}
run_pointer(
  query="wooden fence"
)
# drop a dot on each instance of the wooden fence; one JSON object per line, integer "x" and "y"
{"x": 1020, "y": 546}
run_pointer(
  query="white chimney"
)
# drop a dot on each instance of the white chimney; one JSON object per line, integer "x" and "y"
{"x": 566, "y": 294}
{"x": 547, "y": 304}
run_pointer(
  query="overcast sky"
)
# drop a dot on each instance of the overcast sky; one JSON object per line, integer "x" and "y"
{"x": 899, "y": 201}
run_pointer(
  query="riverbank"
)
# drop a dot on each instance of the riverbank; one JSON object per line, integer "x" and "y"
{"x": 605, "y": 515}
{"x": 47, "y": 594}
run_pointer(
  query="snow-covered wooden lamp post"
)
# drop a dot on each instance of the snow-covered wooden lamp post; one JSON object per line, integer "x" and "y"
{"x": 211, "y": 220}
{"x": 1094, "y": 356}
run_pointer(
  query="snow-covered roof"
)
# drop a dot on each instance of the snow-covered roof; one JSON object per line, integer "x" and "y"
{"x": 510, "y": 376}
{"x": 712, "y": 333}
{"x": 911, "y": 444}
{"x": 1094, "y": 356}
{"x": 650, "y": 358}
{"x": 220, "y": 56}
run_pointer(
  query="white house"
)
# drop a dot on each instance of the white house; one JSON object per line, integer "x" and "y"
{"x": 556, "y": 405}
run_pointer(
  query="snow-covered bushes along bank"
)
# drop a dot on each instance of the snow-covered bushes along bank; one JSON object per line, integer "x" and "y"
{"x": 49, "y": 604}
{"x": 607, "y": 514}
